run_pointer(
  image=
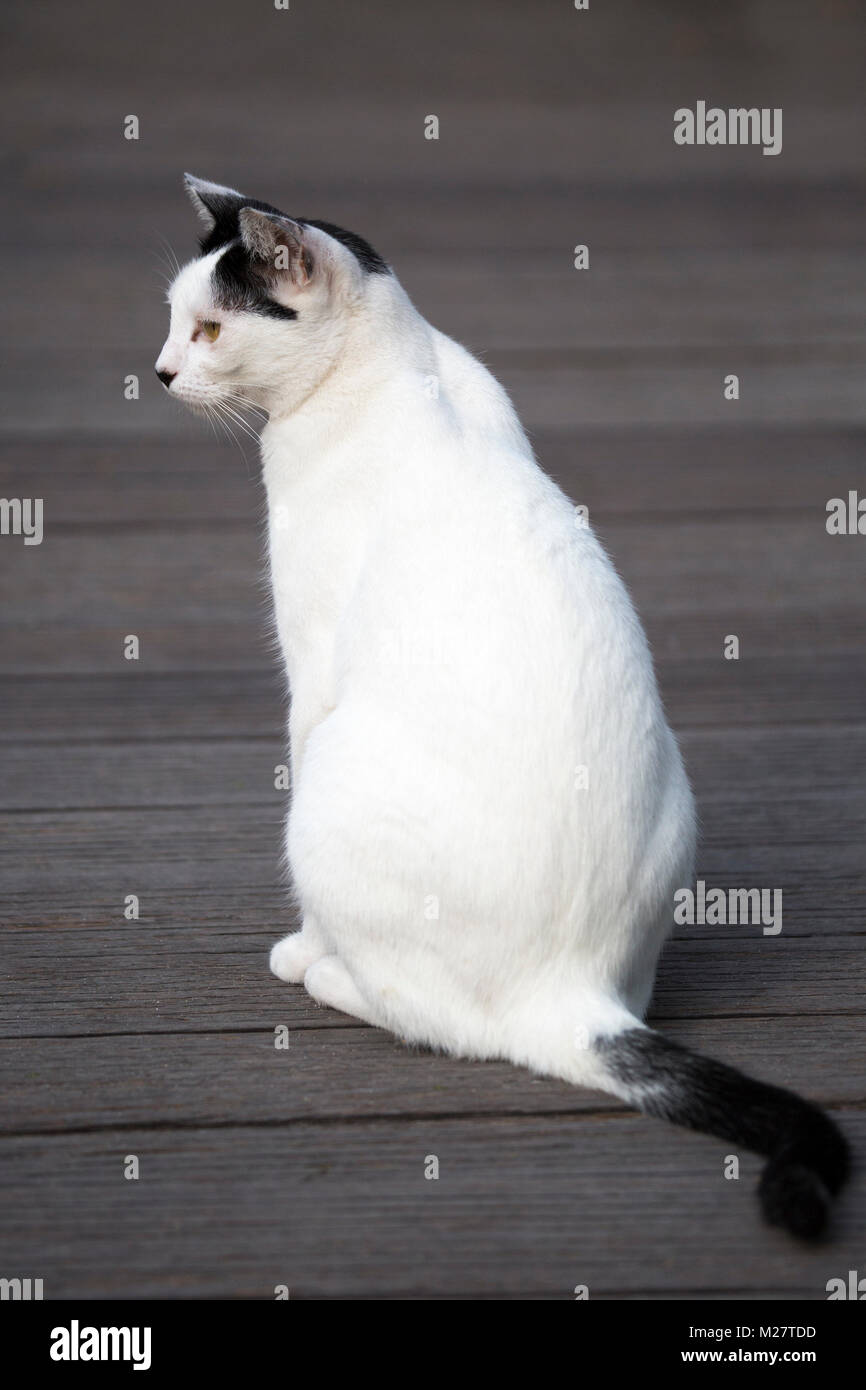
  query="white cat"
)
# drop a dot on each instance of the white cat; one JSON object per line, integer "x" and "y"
{"x": 490, "y": 815}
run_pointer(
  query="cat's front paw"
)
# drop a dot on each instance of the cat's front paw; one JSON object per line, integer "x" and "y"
{"x": 292, "y": 957}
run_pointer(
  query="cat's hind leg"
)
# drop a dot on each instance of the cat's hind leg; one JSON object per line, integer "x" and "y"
{"x": 292, "y": 957}
{"x": 329, "y": 982}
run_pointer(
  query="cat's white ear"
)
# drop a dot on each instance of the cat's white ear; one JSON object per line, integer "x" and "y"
{"x": 212, "y": 201}
{"x": 279, "y": 243}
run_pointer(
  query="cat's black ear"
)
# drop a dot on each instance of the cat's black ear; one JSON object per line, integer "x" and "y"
{"x": 213, "y": 203}
{"x": 279, "y": 243}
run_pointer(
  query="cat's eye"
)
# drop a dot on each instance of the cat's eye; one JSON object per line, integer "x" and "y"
{"x": 211, "y": 330}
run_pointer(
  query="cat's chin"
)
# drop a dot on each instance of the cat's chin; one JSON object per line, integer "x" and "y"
{"x": 197, "y": 404}
{"x": 205, "y": 406}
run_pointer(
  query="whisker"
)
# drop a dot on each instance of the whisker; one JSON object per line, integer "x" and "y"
{"x": 244, "y": 404}
{"x": 210, "y": 421}
{"x": 171, "y": 256}
{"x": 219, "y": 407}
{"x": 239, "y": 420}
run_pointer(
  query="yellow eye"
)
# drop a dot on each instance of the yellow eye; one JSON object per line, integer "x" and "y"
{"x": 210, "y": 330}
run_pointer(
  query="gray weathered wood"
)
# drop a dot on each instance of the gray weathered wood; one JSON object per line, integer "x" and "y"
{"x": 190, "y": 478}
{"x": 158, "y": 976}
{"x": 730, "y": 769}
{"x": 523, "y": 1206}
{"x": 706, "y": 693}
{"x": 325, "y": 1073}
{"x": 195, "y": 601}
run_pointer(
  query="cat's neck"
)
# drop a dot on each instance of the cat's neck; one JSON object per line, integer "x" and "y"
{"x": 384, "y": 343}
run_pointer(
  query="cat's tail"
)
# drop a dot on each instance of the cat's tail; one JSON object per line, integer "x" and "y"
{"x": 807, "y": 1154}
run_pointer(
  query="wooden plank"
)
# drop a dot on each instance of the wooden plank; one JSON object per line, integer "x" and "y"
{"x": 548, "y": 57}
{"x": 624, "y": 472}
{"x": 692, "y": 470}
{"x": 234, "y": 883}
{"x": 212, "y": 704}
{"x": 651, "y": 395}
{"x": 143, "y": 706}
{"x": 214, "y": 642}
{"x": 709, "y": 210}
{"x": 339, "y": 1073}
{"x": 166, "y": 978}
{"x": 196, "y": 601}
{"x": 719, "y": 303}
{"x": 209, "y": 578}
{"x": 820, "y": 389}
{"x": 523, "y": 1206}
{"x": 488, "y": 137}
{"x": 785, "y": 690}
{"x": 733, "y": 768}
{"x": 726, "y": 301}
{"x": 641, "y": 338}
{"x": 821, "y": 883}
{"x": 131, "y": 482}
{"x": 226, "y": 813}
{"x": 79, "y": 866}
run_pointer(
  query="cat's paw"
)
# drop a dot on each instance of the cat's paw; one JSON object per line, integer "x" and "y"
{"x": 292, "y": 957}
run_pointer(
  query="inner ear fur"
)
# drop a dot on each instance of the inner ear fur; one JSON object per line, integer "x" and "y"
{"x": 279, "y": 243}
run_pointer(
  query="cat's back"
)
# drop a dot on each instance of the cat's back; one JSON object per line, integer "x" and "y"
{"x": 485, "y": 585}
{"x": 494, "y": 531}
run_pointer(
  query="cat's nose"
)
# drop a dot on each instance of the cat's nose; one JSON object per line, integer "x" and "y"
{"x": 166, "y": 377}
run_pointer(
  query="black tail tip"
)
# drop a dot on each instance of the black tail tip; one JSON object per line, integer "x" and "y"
{"x": 794, "y": 1197}
{"x": 797, "y": 1188}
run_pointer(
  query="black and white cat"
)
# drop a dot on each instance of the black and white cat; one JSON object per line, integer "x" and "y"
{"x": 490, "y": 815}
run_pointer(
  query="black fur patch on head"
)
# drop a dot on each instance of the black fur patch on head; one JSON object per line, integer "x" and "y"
{"x": 226, "y": 228}
{"x": 367, "y": 258}
{"x": 225, "y": 209}
{"x": 239, "y": 285}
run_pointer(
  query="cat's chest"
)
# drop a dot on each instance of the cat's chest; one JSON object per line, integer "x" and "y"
{"x": 316, "y": 539}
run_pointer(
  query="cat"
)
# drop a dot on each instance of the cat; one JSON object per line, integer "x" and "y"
{"x": 490, "y": 814}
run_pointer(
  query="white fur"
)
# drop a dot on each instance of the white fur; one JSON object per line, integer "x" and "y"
{"x": 456, "y": 647}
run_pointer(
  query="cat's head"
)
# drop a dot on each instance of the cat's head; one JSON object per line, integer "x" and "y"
{"x": 261, "y": 314}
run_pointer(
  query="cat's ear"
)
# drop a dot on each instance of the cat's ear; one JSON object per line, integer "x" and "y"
{"x": 279, "y": 243}
{"x": 212, "y": 201}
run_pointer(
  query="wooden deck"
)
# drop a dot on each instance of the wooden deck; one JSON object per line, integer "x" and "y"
{"x": 305, "y": 1167}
